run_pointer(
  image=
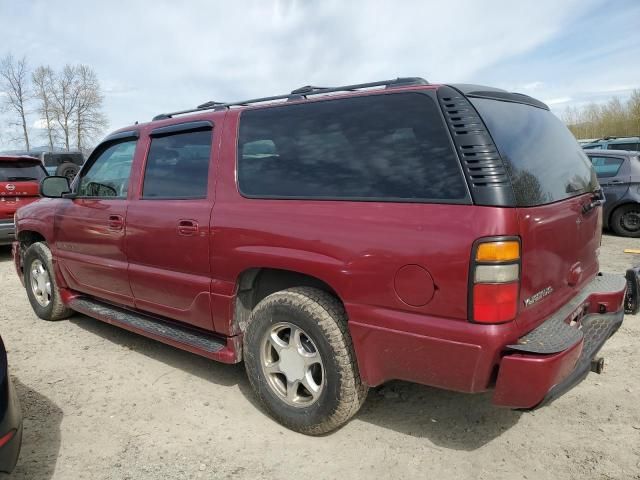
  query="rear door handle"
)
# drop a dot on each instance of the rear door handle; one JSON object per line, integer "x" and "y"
{"x": 187, "y": 227}
{"x": 615, "y": 182}
{"x": 116, "y": 222}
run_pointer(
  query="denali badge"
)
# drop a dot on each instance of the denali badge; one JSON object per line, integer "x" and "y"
{"x": 11, "y": 187}
{"x": 538, "y": 296}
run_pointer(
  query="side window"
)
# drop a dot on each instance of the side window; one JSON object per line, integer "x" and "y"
{"x": 178, "y": 166}
{"x": 109, "y": 174}
{"x": 623, "y": 146}
{"x": 606, "y": 166}
{"x": 381, "y": 147}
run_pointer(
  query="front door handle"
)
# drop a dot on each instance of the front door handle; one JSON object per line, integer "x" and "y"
{"x": 187, "y": 227}
{"x": 116, "y": 222}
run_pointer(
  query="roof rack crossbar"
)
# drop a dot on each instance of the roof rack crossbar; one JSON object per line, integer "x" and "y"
{"x": 298, "y": 93}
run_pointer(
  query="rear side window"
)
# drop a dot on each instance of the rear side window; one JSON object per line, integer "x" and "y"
{"x": 606, "y": 166}
{"x": 623, "y": 146}
{"x": 178, "y": 166}
{"x": 21, "y": 171}
{"x": 380, "y": 147}
{"x": 545, "y": 162}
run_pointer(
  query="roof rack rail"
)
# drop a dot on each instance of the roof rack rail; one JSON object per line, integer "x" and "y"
{"x": 302, "y": 92}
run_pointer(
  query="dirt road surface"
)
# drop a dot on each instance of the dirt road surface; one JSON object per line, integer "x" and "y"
{"x": 103, "y": 403}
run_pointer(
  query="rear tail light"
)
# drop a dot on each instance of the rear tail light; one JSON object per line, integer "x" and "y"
{"x": 495, "y": 277}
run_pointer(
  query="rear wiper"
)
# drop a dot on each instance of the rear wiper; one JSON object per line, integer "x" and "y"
{"x": 18, "y": 179}
{"x": 597, "y": 199}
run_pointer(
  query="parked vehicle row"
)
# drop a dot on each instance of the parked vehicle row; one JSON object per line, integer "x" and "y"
{"x": 613, "y": 143}
{"x": 335, "y": 239}
{"x": 66, "y": 164}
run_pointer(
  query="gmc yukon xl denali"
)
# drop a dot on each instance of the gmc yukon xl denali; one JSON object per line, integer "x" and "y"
{"x": 337, "y": 238}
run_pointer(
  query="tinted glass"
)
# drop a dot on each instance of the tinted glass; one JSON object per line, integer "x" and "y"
{"x": 178, "y": 166}
{"x": 109, "y": 174}
{"x": 606, "y": 166}
{"x": 593, "y": 147}
{"x": 544, "y": 160}
{"x": 623, "y": 146}
{"x": 382, "y": 147}
{"x": 21, "y": 171}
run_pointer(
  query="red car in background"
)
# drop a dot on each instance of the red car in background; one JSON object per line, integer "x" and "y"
{"x": 20, "y": 178}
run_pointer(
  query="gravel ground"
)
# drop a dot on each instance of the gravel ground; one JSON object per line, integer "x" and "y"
{"x": 103, "y": 403}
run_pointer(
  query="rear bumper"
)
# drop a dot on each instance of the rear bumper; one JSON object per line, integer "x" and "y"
{"x": 7, "y": 232}
{"x": 466, "y": 357}
{"x": 533, "y": 380}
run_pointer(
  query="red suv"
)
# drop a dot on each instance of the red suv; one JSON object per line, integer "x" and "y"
{"x": 20, "y": 179}
{"x": 338, "y": 238}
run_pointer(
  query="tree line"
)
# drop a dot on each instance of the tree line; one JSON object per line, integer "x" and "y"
{"x": 612, "y": 119}
{"x": 68, "y": 102}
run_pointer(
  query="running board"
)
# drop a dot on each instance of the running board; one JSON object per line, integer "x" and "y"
{"x": 223, "y": 349}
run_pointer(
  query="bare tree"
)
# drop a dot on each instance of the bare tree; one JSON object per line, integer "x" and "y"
{"x": 43, "y": 84}
{"x": 14, "y": 78}
{"x": 89, "y": 120}
{"x": 633, "y": 107}
{"x": 65, "y": 101}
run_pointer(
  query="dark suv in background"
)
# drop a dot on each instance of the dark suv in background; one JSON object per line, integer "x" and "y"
{"x": 619, "y": 175}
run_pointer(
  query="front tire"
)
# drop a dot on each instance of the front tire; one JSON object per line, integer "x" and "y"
{"x": 40, "y": 284}
{"x": 625, "y": 221}
{"x": 300, "y": 361}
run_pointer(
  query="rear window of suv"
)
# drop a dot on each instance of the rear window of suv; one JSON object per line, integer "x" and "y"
{"x": 545, "y": 162}
{"x": 21, "y": 171}
{"x": 390, "y": 147}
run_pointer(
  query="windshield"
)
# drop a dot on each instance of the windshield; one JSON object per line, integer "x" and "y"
{"x": 21, "y": 171}
{"x": 545, "y": 162}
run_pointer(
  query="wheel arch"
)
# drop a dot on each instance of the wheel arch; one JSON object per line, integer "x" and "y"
{"x": 254, "y": 284}
{"x": 29, "y": 237}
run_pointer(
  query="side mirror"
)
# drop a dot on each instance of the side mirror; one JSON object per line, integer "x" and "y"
{"x": 55, "y": 187}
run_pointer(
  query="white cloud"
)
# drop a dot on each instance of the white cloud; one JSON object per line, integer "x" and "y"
{"x": 557, "y": 101}
{"x": 161, "y": 55}
{"x": 39, "y": 124}
{"x": 532, "y": 86}
{"x": 154, "y": 56}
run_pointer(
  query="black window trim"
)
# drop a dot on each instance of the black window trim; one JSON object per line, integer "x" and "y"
{"x": 183, "y": 127}
{"x": 115, "y": 139}
{"x": 178, "y": 129}
{"x": 429, "y": 93}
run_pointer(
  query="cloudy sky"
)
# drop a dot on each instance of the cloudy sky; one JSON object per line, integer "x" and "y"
{"x": 155, "y": 55}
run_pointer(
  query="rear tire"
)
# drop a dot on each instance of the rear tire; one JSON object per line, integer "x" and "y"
{"x": 625, "y": 220}
{"x": 40, "y": 283}
{"x": 68, "y": 169}
{"x": 321, "y": 363}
